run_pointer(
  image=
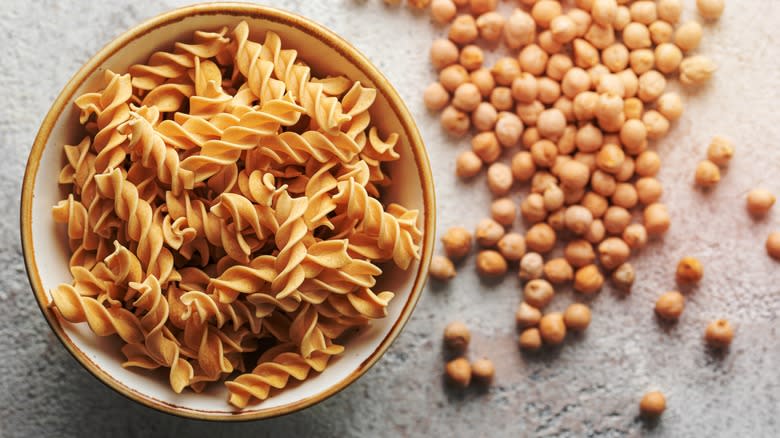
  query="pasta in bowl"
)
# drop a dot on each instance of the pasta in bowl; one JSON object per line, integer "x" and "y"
{"x": 228, "y": 213}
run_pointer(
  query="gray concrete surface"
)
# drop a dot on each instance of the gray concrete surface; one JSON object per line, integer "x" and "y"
{"x": 588, "y": 387}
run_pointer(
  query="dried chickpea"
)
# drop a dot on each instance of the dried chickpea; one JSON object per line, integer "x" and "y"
{"x": 471, "y": 57}
{"x": 508, "y": 129}
{"x": 505, "y": 70}
{"x": 467, "y": 164}
{"x": 483, "y": 79}
{"x": 688, "y": 36}
{"x": 623, "y": 277}
{"x": 540, "y": 238}
{"x": 710, "y": 9}
{"x": 572, "y": 195}
{"x": 644, "y": 12}
{"x": 485, "y": 145}
{"x": 541, "y": 181}
{"x": 435, "y": 97}
{"x": 579, "y": 253}
{"x": 578, "y": 219}
{"x": 585, "y": 105}
{"x": 760, "y": 201}
{"x": 549, "y": 91}
{"x": 503, "y": 211}
{"x": 466, "y": 97}
{"x": 443, "y": 11}
{"x": 527, "y": 315}
{"x": 625, "y": 196}
{"x": 610, "y": 83}
{"x": 670, "y": 305}
{"x": 525, "y": 88}
{"x": 519, "y": 30}
{"x": 479, "y": 7}
{"x": 441, "y": 268}
{"x": 588, "y": 279}
{"x": 491, "y": 263}
{"x": 575, "y": 81}
{"x": 457, "y": 336}
{"x": 530, "y": 339}
{"x": 630, "y": 82}
{"x": 556, "y": 219}
{"x": 656, "y": 219}
{"x": 456, "y": 242}
{"x": 557, "y": 67}
{"x": 689, "y": 270}
{"x": 670, "y": 105}
{"x": 603, "y": 183}
{"x": 563, "y": 29}
{"x": 669, "y": 10}
{"x": 596, "y": 232}
{"x": 483, "y": 370}
{"x": 523, "y": 167}
{"x": 595, "y": 203}
{"x": 499, "y": 179}
{"x": 636, "y": 36}
{"x": 707, "y": 174}
{"x": 566, "y": 107}
{"x": 538, "y": 293}
{"x": 589, "y": 138}
{"x": 489, "y": 232}
{"x": 531, "y": 266}
{"x": 501, "y": 99}
{"x": 419, "y": 4}
{"x": 651, "y": 86}
{"x": 649, "y": 190}
{"x": 463, "y": 30}
{"x": 529, "y": 112}
{"x": 443, "y": 53}
{"x": 491, "y": 26}
{"x": 773, "y": 245}
{"x": 459, "y": 372}
{"x": 544, "y": 11}
{"x": 577, "y": 317}
{"x": 610, "y": 158}
{"x": 532, "y": 208}
{"x": 661, "y": 32}
{"x": 652, "y": 404}
{"x": 657, "y": 125}
{"x": 626, "y": 171}
{"x": 558, "y": 270}
{"x": 720, "y": 151}
{"x": 451, "y": 77}
{"x": 648, "y": 163}
{"x": 633, "y": 135}
{"x": 512, "y": 246}
{"x": 616, "y": 219}
{"x": 582, "y": 20}
{"x": 600, "y": 36}
{"x": 609, "y": 106}
{"x": 641, "y": 60}
{"x": 613, "y": 252}
{"x": 484, "y": 117}
{"x": 552, "y": 328}
{"x": 604, "y": 11}
{"x": 667, "y": 57}
{"x": 551, "y": 123}
{"x": 585, "y": 55}
{"x": 552, "y": 198}
{"x": 615, "y": 57}
{"x": 454, "y": 121}
{"x": 547, "y": 42}
{"x": 533, "y": 59}
{"x": 574, "y": 174}
{"x": 719, "y": 334}
{"x": 633, "y": 108}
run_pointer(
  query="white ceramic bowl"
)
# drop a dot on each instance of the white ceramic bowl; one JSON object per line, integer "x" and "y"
{"x": 45, "y": 244}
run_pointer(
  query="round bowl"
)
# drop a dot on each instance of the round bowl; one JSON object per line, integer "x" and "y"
{"x": 45, "y": 243}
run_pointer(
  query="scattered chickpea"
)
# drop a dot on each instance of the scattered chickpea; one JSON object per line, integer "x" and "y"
{"x": 508, "y": 129}
{"x": 579, "y": 253}
{"x": 467, "y": 164}
{"x": 484, "y": 117}
{"x": 456, "y": 242}
{"x": 479, "y": 7}
{"x": 459, "y": 372}
{"x": 547, "y": 42}
{"x": 600, "y": 36}
{"x": 707, "y": 174}
{"x": 482, "y": 78}
{"x": 501, "y": 99}
{"x": 651, "y": 86}
{"x": 669, "y": 10}
{"x": 454, "y": 121}
{"x": 670, "y": 105}
{"x": 616, "y": 219}
{"x": 463, "y": 30}
{"x": 551, "y": 123}
{"x": 689, "y": 270}
{"x": 489, "y": 232}
{"x": 588, "y": 279}
{"x": 667, "y": 57}
{"x": 443, "y": 11}
{"x": 615, "y": 57}
{"x": 656, "y": 219}
{"x": 589, "y": 138}
{"x": 710, "y": 9}
{"x": 630, "y": 82}
{"x": 595, "y": 203}
{"x": 529, "y": 112}
{"x": 688, "y": 36}
{"x": 577, "y": 317}
{"x": 610, "y": 83}
{"x": 773, "y": 245}
{"x": 443, "y": 53}
{"x": 635, "y": 236}
{"x": 613, "y": 252}
{"x": 503, "y": 211}
{"x": 563, "y": 29}
{"x": 538, "y": 293}
{"x": 442, "y": 268}
{"x": 540, "y": 238}
{"x": 572, "y": 196}
{"x": 696, "y": 70}
{"x": 499, "y": 179}
{"x": 585, "y": 105}
{"x": 530, "y": 339}
{"x": 603, "y": 11}
{"x": 585, "y": 55}
{"x": 532, "y": 208}
{"x": 575, "y": 174}
{"x": 581, "y": 19}
{"x": 603, "y": 183}
{"x": 633, "y": 108}
{"x": 760, "y": 201}
{"x": 471, "y": 57}
{"x": 483, "y": 370}
{"x": 558, "y": 270}
{"x": 596, "y": 232}
{"x": 457, "y": 336}
{"x": 524, "y": 88}
{"x": 435, "y": 97}
{"x": 575, "y": 81}
{"x": 544, "y": 153}
{"x": 544, "y": 11}
{"x": 720, "y": 151}
{"x": 641, "y": 60}
{"x": 661, "y": 32}
{"x": 578, "y": 219}
{"x": 556, "y": 219}
{"x": 552, "y": 328}
{"x": 466, "y": 97}
{"x": 519, "y": 30}
{"x": 623, "y": 277}
{"x": 719, "y": 334}
{"x": 633, "y": 136}
{"x": 523, "y": 167}
{"x": 636, "y": 36}
{"x": 533, "y": 59}
{"x": 491, "y": 263}
{"x": 610, "y": 158}
{"x": 491, "y": 26}
{"x": 622, "y": 18}
{"x": 644, "y": 12}
{"x": 531, "y": 266}
{"x": 649, "y": 190}
{"x": 670, "y": 305}
{"x": 485, "y": 145}
{"x": 652, "y": 404}
{"x": 512, "y": 246}
{"x": 527, "y": 315}
{"x": 452, "y": 76}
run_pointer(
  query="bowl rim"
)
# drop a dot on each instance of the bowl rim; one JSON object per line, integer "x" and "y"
{"x": 253, "y": 11}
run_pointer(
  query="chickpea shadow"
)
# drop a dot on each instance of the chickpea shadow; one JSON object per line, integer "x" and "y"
{"x": 547, "y": 354}
{"x": 668, "y": 326}
{"x": 649, "y": 423}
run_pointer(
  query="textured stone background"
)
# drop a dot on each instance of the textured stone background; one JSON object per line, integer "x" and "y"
{"x": 588, "y": 387}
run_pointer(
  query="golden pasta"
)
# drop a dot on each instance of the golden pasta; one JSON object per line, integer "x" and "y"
{"x": 224, "y": 206}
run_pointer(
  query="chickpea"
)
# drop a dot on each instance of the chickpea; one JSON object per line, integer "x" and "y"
{"x": 544, "y": 153}
{"x": 454, "y": 121}
{"x": 595, "y": 203}
{"x": 644, "y": 12}
{"x": 491, "y": 26}
{"x": 563, "y": 29}
{"x": 613, "y": 252}
{"x": 533, "y": 59}
{"x": 485, "y": 146}
{"x": 530, "y": 136}
{"x": 651, "y": 86}
{"x": 543, "y": 180}
{"x": 552, "y": 198}
{"x": 435, "y": 97}
{"x": 625, "y": 196}
{"x": 649, "y": 190}
{"x": 610, "y": 158}
{"x": 670, "y": 305}
{"x": 577, "y": 317}
{"x": 456, "y": 242}
{"x": 558, "y": 270}
{"x": 626, "y": 171}
{"x": 707, "y": 174}
{"x": 589, "y": 138}
{"x": 623, "y": 277}
{"x": 603, "y": 183}
{"x": 529, "y": 112}
{"x": 615, "y": 57}
{"x": 532, "y": 208}
{"x": 467, "y": 165}
{"x": 688, "y": 36}
{"x": 597, "y": 72}
{"x": 508, "y": 129}
{"x": 572, "y": 196}
{"x": 512, "y": 246}
{"x": 443, "y": 11}
{"x": 720, "y": 151}
{"x": 648, "y": 163}
{"x": 612, "y": 84}
{"x": 540, "y": 238}
{"x": 652, "y": 404}
{"x": 530, "y": 339}
{"x": 503, "y": 211}
{"x": 558, "y": 65}
{"x": 523, "y": 167}
{"x": 578, "y": 219}
{"x": 719, "y": 334}
{"x": 657, "y": 125}
{"x": 630, "y": 82}
{"x": 566, "y": 107}
{"x": 636, "y": 36}
{"x": 604, "y": 11}
{"x": 596, "y": 232}
{"x": 489, "y": 232}
{"x": 661, "y": 32}
{"x": 491, "y": 263}
{"x": 505, "y": 70}
{"x": 710, "y": 9}
{"x": 600, "y": 36}
{"x": 527, "y": 315}
{"x": 641, "y": 60}
{"x": 667, "y": 57}
{"x": 670, "y": 105}
{"x": 582, "y": 20}
{"x": 689, "y": 270}
{"x": 622, "y": 18}
{"x": 669, "y": 10}
{"x": 616, "y": 219}
{"x": 773, "y": 245}
{"x": 531, "y": 266}
{"x": 574, "y": 174}
{"x": 552, "y": 328}
{"x": 585, "y": 55}
{"x": 633, "y": 109}
{"x": 482, "y": 78}
{"x": 574, "y": 82}
{"x": 551, "y": 123}
{"x": 556, "y": 219}
{"x": 441, "y": 268}
{"x": 482, "y": 370}
{"x": 538, "y": 293}
{"x": 479, "y": 7}
{"x": 457, "y": 336}
{"x": 459, "y": 372}
{"x": 609, "y": 107}
{"x": 467, "y": 97}
{"x": 499, "y": 179}
{"x": 760, "y": 201}
{"x": 579, "y": 253}
{"x": 633, "y": 135}
{"x": 519, "y": 30}
{"x": 501, "y": 99}
{"x": 451, "y": 77}
{"x": 463, "y": 30}
{"x": 549, "y": 90}
{"x": 443, "y": 53}
{"x": 471, "y": 57}
{"x": 525, "y": 88}
{"x": 544, "y": 11}
{"x": 656, "y": 219}
{"x": 588, "y": 280}
{"x": 484, "y": 117}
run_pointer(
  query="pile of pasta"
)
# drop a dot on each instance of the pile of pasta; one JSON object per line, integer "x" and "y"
{"x": 223, "y": 214}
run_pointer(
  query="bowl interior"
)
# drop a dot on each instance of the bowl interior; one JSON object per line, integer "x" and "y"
{"x": 412, "y": 187}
